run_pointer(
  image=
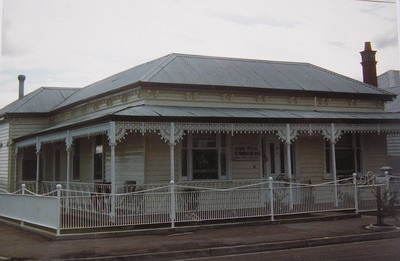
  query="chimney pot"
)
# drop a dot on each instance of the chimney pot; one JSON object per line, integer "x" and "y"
{"x": 368, "y": 63}
{"x": 21, "y": 79}
{"x": 367, "y": 46}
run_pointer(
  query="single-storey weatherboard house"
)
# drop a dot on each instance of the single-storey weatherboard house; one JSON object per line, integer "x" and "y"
{"x": 190, "y": 118}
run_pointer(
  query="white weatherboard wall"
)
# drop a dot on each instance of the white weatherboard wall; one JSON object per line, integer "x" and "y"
{"x": 129, "y": 159}
{"x": 4, "y": 151}
{"x": 374, "y": 153}
{"x": 393, "y": 144}
{"x": 393, "y": 150}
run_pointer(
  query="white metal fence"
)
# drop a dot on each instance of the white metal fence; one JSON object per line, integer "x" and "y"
{"x": 91, "y": 207}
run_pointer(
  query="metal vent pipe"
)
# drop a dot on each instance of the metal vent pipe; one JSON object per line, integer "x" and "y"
{"x": 21, "y": 79}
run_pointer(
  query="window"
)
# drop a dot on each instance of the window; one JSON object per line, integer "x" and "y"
{"x": 204, "y": 156}
{"x": 98, "y": 158}
{"x": 76, "y": 163}
{"x": 347, "y": 153}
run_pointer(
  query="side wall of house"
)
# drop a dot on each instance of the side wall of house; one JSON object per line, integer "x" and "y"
{"x": 17, "y": 128}
{"x": 374, "y": 155}
{"x": 146, "y": 159}
{"x": 157, "y": 160}
{"x": 310, "y": 158}
{"x": 393, "y": 149}
{"x": 245, "y": 169}
{"x": 4, "y": 155}
{"x": 129, "y": 160}
{"x": 86, "y": 159}
{"x": 21, "y": 127}
{"x": 48, "y": 154}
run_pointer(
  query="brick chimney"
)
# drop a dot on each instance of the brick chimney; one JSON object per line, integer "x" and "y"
{"x": 368, "y": 63}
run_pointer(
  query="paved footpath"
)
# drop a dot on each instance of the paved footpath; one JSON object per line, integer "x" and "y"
{"x": 20, "y": 244}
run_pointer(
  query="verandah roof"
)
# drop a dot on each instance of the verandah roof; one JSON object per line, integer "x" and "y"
{"x": 233, "y": 114}
{"x": 98, "y": 123}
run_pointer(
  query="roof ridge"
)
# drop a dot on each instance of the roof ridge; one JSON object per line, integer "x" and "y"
{"x": 33, "y": 95}
{"x": 376, "y": 88}
{"x": 61, "y": 88}
{"x": 237, "y": 59}
{"x": 167, "y": 59}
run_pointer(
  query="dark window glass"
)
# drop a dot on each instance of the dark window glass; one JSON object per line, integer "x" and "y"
{"x": 29, "y": 164}
{"x": 204, "y": 156}
{"x": 76, "y": 162}
{"x": 98, "y": 159}
{"x": 347, "y": 154}
{"x": 272, "y": 151}
{"x": 205, "y": 164}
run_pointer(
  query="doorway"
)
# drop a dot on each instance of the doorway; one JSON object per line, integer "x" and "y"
{"x": 274, "y": 158}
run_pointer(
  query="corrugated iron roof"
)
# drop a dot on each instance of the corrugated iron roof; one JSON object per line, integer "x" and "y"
{"x": 227, "y": 115}
{"x": 232, "y": 113}
{"x": 42, "y": 100}
{"x": 197, "y": 70}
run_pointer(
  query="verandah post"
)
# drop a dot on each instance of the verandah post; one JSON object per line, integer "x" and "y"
{"x": 38, "y": 148}
{"x": 289, "y": 165}
{"x": 113, "y": 144}
{"x": 172, "y": 171}
{"x": 173, "y": 207}
{"x": 68, "y": 148}
{"x": 333, "y": 163}
{"x": 271, "y": 197}
{"x": 23, "y": 188}
{"x": 355, "y": 192}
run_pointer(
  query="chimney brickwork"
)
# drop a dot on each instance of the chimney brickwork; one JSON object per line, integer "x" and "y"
{"x": 368, "y": 63}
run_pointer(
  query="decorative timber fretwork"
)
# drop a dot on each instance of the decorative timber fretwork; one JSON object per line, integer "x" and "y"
{"x": 331, "y": 133}
{"x": 68, "y": 141}
{"x": 286, "y": 132}
{"x": 166, "y": 134}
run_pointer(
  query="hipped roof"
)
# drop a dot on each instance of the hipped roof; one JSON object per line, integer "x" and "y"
{"x": 205, "y": 71}
{"x": 40, "y": 101}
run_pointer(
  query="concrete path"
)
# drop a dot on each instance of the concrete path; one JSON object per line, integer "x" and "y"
{"x": 20, "y": 244}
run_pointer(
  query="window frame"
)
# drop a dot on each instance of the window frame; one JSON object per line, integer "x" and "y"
{"x": 356, "y": 149}
{"x": 101, "y": 155}
{"x": 187, "y": 153}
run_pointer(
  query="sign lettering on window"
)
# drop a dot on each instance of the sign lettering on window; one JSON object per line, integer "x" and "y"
{"x": 246, "y": 152}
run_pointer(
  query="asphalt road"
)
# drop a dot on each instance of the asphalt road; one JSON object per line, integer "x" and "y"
{"x": 387, "y": 249}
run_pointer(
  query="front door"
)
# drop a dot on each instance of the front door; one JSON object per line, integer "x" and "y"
{"x": 274, "y": 157}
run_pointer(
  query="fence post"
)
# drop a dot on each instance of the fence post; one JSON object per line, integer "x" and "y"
{"x": 387, "y": 180}
{"x": 58, "y": 187}
{"x": 355, "y": 192}
{"x": 23, "y": 188}
{"x": 271, "y": 197}
{"x": 172, "y": 214}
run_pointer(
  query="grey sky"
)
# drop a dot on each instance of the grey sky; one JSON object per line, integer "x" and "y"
{"x": 73, "y": 43}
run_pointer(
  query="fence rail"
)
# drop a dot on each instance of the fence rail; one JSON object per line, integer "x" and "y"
{"x": 87, "y": 206}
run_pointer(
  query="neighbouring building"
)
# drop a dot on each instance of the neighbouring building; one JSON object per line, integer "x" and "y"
{"x": 390, "y": 81}
{"x": 196, "y": 118}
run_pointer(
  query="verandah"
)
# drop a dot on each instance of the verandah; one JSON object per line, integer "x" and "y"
{"x": 173, "y": 133}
